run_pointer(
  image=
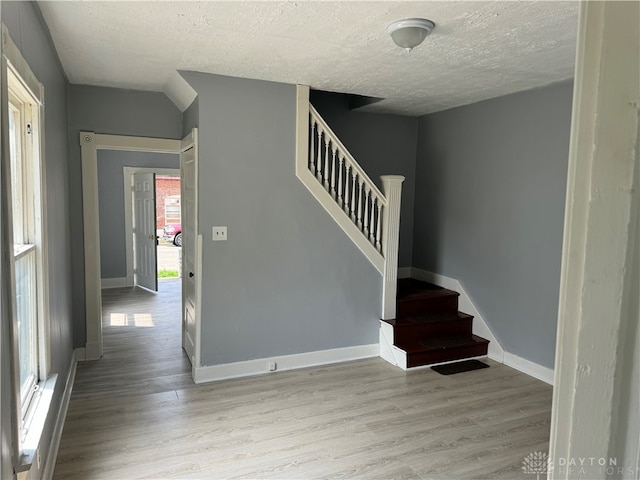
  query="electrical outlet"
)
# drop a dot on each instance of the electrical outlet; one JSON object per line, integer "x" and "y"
{"x": 273, "y": 366}
{"x": 219, "y": 234}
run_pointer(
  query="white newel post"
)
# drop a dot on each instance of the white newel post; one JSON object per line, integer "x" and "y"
{"x": 392, "y": 189}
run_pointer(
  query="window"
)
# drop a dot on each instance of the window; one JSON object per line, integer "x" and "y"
{"x": 28, "y": 249}
{"x": 172, "y": 211}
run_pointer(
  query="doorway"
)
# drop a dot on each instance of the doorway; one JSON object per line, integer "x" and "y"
{"x": 164, "y": 226}
{"x": 168, "y": 227}
{"x": 91, "y": 143}
{"x": 142, "y": 309}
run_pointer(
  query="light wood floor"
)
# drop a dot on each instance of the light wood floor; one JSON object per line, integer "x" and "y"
{"x": 136, "y": 414}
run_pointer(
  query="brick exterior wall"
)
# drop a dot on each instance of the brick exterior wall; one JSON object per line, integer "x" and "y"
{"x": 165, "y": 187}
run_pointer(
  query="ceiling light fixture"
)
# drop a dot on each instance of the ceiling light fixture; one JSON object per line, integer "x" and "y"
{"x": 410, "y": 32}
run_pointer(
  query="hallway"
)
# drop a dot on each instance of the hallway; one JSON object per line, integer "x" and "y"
{"x": 142, "y": 344}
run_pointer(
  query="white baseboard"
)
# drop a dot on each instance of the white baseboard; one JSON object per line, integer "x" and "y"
{"x": 81, "y": 354}
{"x": 52, "y": 455}
{"x": 480, "y": 327}
{"x": 259, "y": 366}
{"x": 91, "y": 351}
{"x": 114, "y": 282}
{"x": 530, "y": 368}
{"x": 404, "y": 272}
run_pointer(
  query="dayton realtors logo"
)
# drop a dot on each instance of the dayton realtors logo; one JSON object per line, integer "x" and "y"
{"x": 536, "y": 463}
{"x": 540, "y": 464}
{"x": 588, "y": 467}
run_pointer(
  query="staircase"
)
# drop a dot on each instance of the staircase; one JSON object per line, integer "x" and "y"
{"x": 370, "y": 217}
{"x": 420, "y": 324}
{"x": 428, "y": 328}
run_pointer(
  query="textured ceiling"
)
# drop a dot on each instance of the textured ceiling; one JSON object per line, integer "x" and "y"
{"x": 478, "y": 49}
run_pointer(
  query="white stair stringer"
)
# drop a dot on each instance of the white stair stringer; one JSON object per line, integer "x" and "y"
{"x": 342, "y": 219}
{"x": 388, "y": 351}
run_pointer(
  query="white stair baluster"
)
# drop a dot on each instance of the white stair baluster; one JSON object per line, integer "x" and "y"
{"x": 347, "y": 197}
{"x": 319, "y": 155}
{"x": 378, "y": 226}
{"x": 325, "y": 172}
{"x": 372, "y": 219}
{"x": 333, "y": 171}
{"x": 340, "y": 161}
{"x": 353, "y": 196}
{"x": 367, "y": 194}
{"x": 312, "y": 155}
{"x": 360, "y": 201}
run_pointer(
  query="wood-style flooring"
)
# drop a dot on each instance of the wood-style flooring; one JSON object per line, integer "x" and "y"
{"x": 136, "y": 414}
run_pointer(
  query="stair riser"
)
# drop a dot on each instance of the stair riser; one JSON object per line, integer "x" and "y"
{"x": 408, "y": 308}
{"x": 427, "y": 358}
{"x": 450, "y": 328}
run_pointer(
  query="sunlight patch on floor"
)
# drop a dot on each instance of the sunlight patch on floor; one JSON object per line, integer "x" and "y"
{"x": 143, "y": 320}
{"x": 131, "y": 320}
{"x": 118, "y": 319}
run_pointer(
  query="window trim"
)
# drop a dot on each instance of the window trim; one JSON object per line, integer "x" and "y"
{"x": 21, "y": 98}
{"x": 19, "y": 81}
{"x": 13, "y": 55}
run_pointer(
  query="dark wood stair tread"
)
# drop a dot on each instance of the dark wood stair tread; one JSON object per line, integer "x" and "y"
{"x": 411, "y": 284}
{"x": 433, "y": 317}
{"x": 429, "y": 327}
{"x": 450, "y": 342}
{"x": 448, "y": 349}
{"x": 442, "y": 343}
{"x": 410, "y": 287}
{"x": 414, "y": 302}
{"x": 428, "y": 294}
{"x": 437, "y": 317}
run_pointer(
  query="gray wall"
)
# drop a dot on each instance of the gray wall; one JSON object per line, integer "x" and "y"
{"x": 190, "y": 117}
{"x": 32, "y": 38}
{"x": 382, "y": 145}
{"x": 113, "y": 111}
{"x": 288, "y": 280}
{"x": 111, "y": 203}
{"x": 489, "y": 210}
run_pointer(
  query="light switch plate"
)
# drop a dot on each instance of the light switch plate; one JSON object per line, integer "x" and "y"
{"x": 219, "y": 234}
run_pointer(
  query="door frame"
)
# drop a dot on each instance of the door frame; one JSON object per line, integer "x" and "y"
{"x": 597, "y": 339}
{"x": 127, "y": 173}
{"x": 90, "y": 143}
{"x": 188, "y": 142}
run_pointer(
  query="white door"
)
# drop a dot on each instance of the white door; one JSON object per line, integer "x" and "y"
{"x": 144, "y": 230}
{"x": 190, "y": 248}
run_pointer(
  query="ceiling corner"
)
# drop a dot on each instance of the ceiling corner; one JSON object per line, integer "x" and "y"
{"x": 179, "y": 91}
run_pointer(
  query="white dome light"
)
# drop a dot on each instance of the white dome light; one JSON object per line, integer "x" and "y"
{"x": 410, "y": 32}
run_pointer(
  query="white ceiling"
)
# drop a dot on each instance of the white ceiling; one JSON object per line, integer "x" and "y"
{"x": 478, "y": 49}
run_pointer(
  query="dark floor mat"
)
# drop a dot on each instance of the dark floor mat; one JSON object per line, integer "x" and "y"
{"x": 459, "y": 367}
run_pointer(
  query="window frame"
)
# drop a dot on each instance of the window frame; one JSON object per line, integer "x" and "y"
{"x": 24, "y": 93}
{"x": 170, "y": 202}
